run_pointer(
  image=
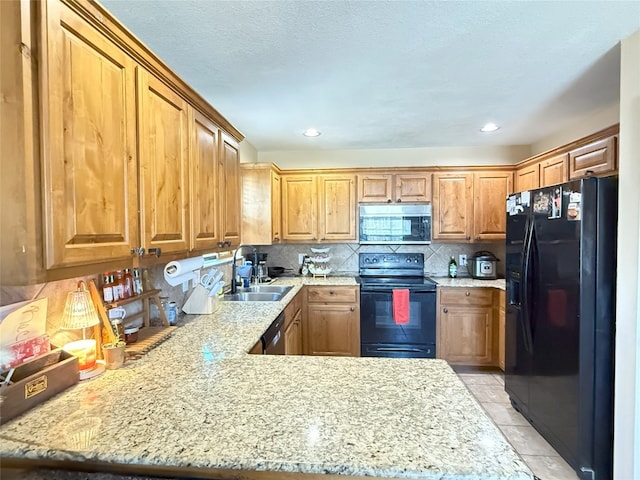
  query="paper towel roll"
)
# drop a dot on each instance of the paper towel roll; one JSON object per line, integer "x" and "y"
{"x": 181, "y": 267}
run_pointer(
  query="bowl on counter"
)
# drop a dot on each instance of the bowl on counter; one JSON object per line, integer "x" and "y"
{"x": 131, "y": 335}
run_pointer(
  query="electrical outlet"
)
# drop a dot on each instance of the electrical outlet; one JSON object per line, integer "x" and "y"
{"x": 462, "y": 260}
{"x": 301, "y": 258}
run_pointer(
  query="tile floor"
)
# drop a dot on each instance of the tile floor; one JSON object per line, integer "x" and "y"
{"x": 542, "y": 459}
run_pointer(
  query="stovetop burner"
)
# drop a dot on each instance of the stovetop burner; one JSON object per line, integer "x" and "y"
{"x": 393, "y": 270}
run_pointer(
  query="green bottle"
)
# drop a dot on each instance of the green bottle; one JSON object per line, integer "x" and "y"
{"x": 453, "y": 268}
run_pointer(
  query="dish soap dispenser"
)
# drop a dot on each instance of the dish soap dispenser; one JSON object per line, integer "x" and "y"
{"x": 453, "y": 268}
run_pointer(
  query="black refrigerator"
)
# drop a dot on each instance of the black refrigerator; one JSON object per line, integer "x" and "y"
{"x": 560, "y": 317}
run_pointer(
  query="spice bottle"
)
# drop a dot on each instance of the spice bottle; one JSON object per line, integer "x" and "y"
{"x": 137, "y": 282}
{"x": 107, "y": 287}
{"x": 453, "y": 268}
{"x": 118, "y": 287}
{"x": 128, "y": 283}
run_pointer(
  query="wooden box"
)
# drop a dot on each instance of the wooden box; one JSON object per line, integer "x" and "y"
{"x": 37, "y": 380}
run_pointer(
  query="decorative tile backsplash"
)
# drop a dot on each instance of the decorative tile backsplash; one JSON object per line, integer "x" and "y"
{"x": 344, "y": 256}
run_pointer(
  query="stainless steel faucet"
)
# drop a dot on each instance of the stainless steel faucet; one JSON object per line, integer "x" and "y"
{"x": 234, "y": 288}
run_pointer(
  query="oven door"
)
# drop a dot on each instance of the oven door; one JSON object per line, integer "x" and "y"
{"x": 377, "y": 325}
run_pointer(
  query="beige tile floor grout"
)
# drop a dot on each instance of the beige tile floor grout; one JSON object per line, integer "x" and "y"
{"x": 488, "y": 389}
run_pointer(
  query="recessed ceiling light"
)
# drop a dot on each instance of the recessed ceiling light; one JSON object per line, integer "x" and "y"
{"x": 489, "y": 127}
{"x": 311, "y": 132}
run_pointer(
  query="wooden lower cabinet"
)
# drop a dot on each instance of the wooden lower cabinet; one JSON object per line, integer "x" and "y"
{"x": 293, "y": 314}
{"x": 465, "y": 326}
{"x": 332, "y": 324}
{"x": 293, "y": 336}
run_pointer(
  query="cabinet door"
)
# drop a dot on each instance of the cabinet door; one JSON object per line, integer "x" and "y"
{"x": 465, "y": 335}
{"x": 89, "y": 163}
{"x": 293, "y": 337}
{"x": 490, "y": 199}
{"x": 554, "y": 170}
{"x": 230, "y": 190}
{"x": 596, "y": 158}
{"x": 299, "y": 208}
{"x": 333, "y": 329}
{"x": 337, "y": 208}
{"x": 375, "y": 188}
{"x": 527, "y": 178}
{"x": 164, "y": 180}
{"x": 205, "y": 233}
{"x": 413, "y": 188}
{"x": 452, "y": 206}
{"x": 276, "y": 208}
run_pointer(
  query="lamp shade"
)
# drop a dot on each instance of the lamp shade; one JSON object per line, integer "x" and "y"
{"x": 79, "y": 311}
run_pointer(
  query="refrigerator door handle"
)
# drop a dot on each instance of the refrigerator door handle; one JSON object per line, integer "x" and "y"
{"x": 526, "y": 304}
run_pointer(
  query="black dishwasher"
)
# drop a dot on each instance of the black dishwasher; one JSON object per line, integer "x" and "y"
{"x": 273, "y": 338}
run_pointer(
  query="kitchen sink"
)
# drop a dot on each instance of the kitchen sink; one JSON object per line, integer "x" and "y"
{"x": 283, "y": 289}
{"x": 253, "y": 297}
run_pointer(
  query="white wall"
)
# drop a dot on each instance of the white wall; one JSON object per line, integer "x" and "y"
{"x": 397, "y": 157}
{"x": 248, "y": 153}
{"x": 627, "y": 384}
{"x": 591, "y": 123}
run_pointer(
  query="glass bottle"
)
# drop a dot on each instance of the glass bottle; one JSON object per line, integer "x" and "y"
{"x": 128, "y": 283}
{"x": 137, "y": 282}
{"x": 118, "y": 288}
{"x": 453, "y": 268}
{"x": 107, "y": 287}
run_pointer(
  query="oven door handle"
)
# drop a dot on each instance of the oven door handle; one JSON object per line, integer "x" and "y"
{"x": 389, "y": 290}
{"x": 398, "y": 349}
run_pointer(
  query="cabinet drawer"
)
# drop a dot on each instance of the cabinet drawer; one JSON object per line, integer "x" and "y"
{"x": 332, "y": 294}
{"x": 466, "y": 296}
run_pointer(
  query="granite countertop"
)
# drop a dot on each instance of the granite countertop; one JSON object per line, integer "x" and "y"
{"x": 467, "y": 282}
{"x": 199, "y": 404}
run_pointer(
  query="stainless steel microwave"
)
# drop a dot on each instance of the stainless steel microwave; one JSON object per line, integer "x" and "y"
{"x": 395, "y": 223}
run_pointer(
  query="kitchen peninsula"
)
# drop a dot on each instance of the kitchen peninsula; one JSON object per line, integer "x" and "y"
{"x": 199, "y": 405}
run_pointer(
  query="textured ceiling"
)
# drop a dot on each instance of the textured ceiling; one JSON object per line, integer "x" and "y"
{"x": 391, "y": 74}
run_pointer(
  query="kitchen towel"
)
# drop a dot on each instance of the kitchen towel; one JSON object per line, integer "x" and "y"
{"x": 400, "y": 300}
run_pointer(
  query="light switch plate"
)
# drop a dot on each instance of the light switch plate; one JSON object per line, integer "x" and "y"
{"x": 462, "y": 260}
{"x": 301, "y": 258}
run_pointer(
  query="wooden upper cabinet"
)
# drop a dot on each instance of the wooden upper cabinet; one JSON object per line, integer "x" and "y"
{"x": 276, "y": 207}
{"x": 337, "y": 207}
{"x": 261, "y": 204}
{"x": 452, "y": 206}
{"x": 375, "y": 188}
{"x": 387, "y": 188}
{"x": 554, "y": 170}
{"x": 163, "y": 123}
{"x": 415, "y": 187}
{"x": 299, "y": 208}
{"x": 230, "y": 190}
{"x": 490, "y": 198}
{"x": 596, "y": 158}
{"x": 89, "y": 159}
{"x": 527, "y": 178}
{"x": 205, "y": 227}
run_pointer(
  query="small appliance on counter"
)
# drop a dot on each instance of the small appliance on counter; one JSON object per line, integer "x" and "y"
{"x": 482, "y": 265}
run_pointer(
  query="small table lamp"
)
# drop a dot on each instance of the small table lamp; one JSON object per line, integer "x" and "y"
{"x": 80, "y": 313}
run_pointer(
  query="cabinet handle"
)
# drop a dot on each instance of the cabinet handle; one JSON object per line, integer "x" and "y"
{"x": 445, "y": 310}
{"x": 467, "y": 293}
{"x": 468, "y": 237}
{"x": 353, "y": 309}
{"x": 330, "y": 292}
{"x": 322, "y": 239}
{"x": 389, "y": 201}
{"x": 155, "y": 251}
{"x": 276, "y": 239}
{"x": 399, "y": 200}
{"x": 137, "y": 251}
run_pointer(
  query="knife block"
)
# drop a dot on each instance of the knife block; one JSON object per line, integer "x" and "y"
{"x": 200, "y": 303}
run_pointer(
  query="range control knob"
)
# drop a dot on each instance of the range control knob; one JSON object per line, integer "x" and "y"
{"x": 375, "y": 260}
{"x": 367, "y": 260}
{"x": 409, "y": 260}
